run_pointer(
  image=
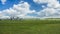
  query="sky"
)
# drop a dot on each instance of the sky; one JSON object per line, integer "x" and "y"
{"x": 30, "y": 8}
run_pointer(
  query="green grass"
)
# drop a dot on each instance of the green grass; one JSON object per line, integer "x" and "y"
{"x": 30, "y": 26}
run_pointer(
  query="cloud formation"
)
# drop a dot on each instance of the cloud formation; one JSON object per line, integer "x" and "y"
{"x": 52, "y": 9}
{"x": 19, "y": 10}
{"x": 23, "y": 9}
{"x": 3, "y": 1}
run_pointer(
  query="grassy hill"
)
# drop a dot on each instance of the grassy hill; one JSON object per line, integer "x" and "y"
{"x": 30, "y": 26}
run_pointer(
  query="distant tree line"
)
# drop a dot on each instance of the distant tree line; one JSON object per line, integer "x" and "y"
{"x": 12, "y": 18}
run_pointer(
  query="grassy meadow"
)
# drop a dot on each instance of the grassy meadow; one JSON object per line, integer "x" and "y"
{"x": 30, "y": 26}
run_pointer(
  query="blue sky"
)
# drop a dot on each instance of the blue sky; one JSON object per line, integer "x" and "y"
{"x": 32, "y": 8}
{"x": 10, "y": 3}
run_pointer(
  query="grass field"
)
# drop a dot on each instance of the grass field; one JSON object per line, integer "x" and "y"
{"x": 30, "y": 26}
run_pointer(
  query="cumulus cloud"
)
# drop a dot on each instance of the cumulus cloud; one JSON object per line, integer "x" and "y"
{"x": 3, "y": 1}
{"x": 19, "y": 10}
{"x": 23, "y": 8}
{"x": 40, "y": 1}
{"x": 52, "y": 9}
{"x": 50, "y": 3}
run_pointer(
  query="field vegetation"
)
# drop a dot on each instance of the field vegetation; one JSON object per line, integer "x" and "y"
{"x": 30, "y": 26}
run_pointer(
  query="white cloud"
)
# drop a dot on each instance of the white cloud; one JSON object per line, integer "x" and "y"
{"x": 50, "y": 3}
{"x": 3, "y": 1}
{"x": 43, "y": 6}
{"x": 40, "y": 1}
{"x": 52, "y": 9}
{"x": 23, "y": 8}
{"x": 49, "y": 12}
{"x": 19, "y": 10}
